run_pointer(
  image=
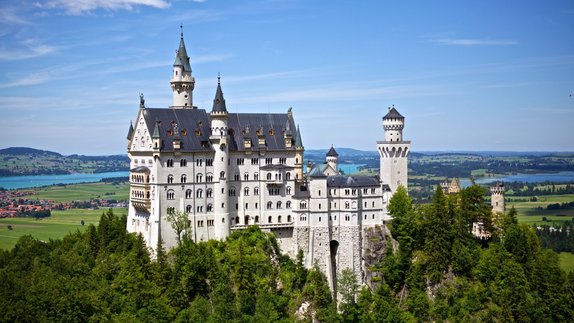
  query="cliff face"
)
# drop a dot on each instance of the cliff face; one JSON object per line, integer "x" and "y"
{"x": 376, "y": 241}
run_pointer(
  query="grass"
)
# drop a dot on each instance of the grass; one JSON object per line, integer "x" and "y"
{"x": 529, "y": 213}
{"x": 81, "y": 192}
{"x": 566, "y": 261}
{"x": 55, "y": 227}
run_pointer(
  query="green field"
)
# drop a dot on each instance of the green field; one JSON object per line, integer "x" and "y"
{"x": 54, "y": 227}
{"x": 529, "y": 213}
{"x": 82, "y": 192}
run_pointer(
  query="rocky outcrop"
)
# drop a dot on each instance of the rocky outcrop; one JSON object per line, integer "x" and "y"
{"x": 376, "y": 241}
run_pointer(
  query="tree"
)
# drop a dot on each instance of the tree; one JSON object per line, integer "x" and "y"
{"x": 180, "y": 224}
{"x": 347, "y": 286}
{"x": 439, "y": 236}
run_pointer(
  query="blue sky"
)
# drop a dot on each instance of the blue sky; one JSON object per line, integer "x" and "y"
{"x": 467, "y": 75}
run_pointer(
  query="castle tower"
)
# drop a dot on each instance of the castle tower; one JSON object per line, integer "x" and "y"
{"x": 393, "y": 151}
{"x": 332, "y": 158}
{"x": 218, "y": 139}
{"x": 497, "y": 198}
{"x": 182, "y": 82}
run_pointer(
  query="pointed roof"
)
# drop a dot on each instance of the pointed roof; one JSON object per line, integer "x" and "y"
{"x": 332, "y": 152}
{"x": 393, "y": 114}
{"x": 181, "y": 58}
{"x": 298, "y": 141}
{"x": 219, "y": 101}
{"x": 130, "y": 131}
{"x": 156, "y": 131}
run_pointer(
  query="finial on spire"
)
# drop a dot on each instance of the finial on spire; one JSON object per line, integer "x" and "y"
{"x": 181, "y": 28}
{"x": 218, "y": 78}
{"x": 142, "y": 101}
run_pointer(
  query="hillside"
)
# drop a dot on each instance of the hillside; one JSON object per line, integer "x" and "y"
{"x": 19, "y": 161}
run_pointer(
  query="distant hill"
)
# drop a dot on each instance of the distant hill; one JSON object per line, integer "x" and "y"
{"x": 26, "y": 151}
{"x": 16, "y": 161}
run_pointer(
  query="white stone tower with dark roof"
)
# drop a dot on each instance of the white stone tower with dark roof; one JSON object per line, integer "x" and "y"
{"x": 332, "y": 158}
{"x": 182, "y": 82}
{"x": 393, "y": 151}
{"x": 497, "y": 198}
{"x": 219, "y": 142}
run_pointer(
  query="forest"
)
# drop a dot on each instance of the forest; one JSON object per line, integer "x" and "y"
{"x": 437, "y": 271}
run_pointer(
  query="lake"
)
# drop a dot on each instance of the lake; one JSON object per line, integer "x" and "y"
{"x": 527, "y": 178}
{"x": 17, "y": 182}
{"x": 349, "y": 169}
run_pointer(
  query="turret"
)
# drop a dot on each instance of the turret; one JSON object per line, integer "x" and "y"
{"x": 182, "y": 82}
{"x": 497, "y": 198}
{"x": 393, "y": 151}
{"x": 218, "y": 139}
{"x": 332, "y": 158}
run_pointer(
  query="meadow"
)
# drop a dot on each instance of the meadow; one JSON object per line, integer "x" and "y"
{"x": 529, "y": 212}
{"x": 81, "y": 192}
{"x": 55, "y": 227}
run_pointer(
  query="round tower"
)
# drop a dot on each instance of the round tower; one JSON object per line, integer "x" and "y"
{"x": 182, "y": 82}
{"x": 218, "y": 138}
{"x": 393, "y": 151}
{"x": 393, "y": 123}
{"x": 497, "y": 198}
{"x": 332, "y": 158}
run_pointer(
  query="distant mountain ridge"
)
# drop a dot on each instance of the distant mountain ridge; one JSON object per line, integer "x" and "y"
{"x": 26, "y": 151}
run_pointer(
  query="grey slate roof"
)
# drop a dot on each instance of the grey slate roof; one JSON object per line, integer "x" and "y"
{"x": 130, "y": 132}
{"x": 332, "y": 152}
{"x": 219, "y": 101}
{"x": 140, "y": 169}
{"x": 352, "y": 181}
{"x": 181, "y": 59}
{"x": 393, "y": 114}
{"x": 298, "y": 141}
{"x": 194, "y": 127}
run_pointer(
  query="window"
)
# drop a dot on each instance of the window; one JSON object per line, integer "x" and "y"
{"x": 279, "y": 219}
{"x": 256, "y": 205}
{"x": 274, "y": 191}
{"x": 231, "y": 192}
{"x": 170, "y": 210}
{"x": 199, "y": 209}
{"x": 256, "y": 190}
{"x": 282, "y": 160}
{"x": 303, "y": 205}
{"x": 222, "y": 175}
{"x": 198, "y": 178}
{"x": 209, "y": 178}
{"x": 254, "y": 161}
{"x": 347, "y": 205}
{"x": 183, "y": 163}
{"x": 288, "y": 190}
{"x": 209, "y": 223}
{"x": 170, "y": 195}
{"x": 269, "y": 204}
{"x": 319, "y": 192}
{"x": 198, "y": 162}
{"x": 288, "y": 176}
{"x": 209, "y": 162}
{"x": 170, "y": 179}
{"x": 257, "y": 219}
{"x": 289, "y": 218}
{"x": 237, "y": 220}
{"x": 246, "y": 206}
{"x": 209, "y": 192}
{"x": 246, "y": 176}
{"x": 240, "y": 161}
{"x": 188, "y": 194}
{"x": 199, "y": 193}
{"x": 246, "y": 220}
{"x": 188, "y": 208}
{"x": 347, "y": 218}
{"x": 169, "y": 163}
{"x": 199, "y": 223}
{"x": 209, "y": 207}
{"x": 268, "y": 161}
{"x": 347, "y": 191}
{"x": 236, "y": 177}
{"x": 269, "y": 219}
{"x": 373, "y": 190}
{"x": 279, "y": 204}
{"x": 288, "y": 205}
{"x": 183, "y": 178}
{"x": 268, "y": 176}
{"x": 256, "y": 176}
{"x": 319, "y": 206}
{"x": 246, "y": 191}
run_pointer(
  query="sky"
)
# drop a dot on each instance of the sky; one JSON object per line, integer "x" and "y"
{"x": 467, "y": 75}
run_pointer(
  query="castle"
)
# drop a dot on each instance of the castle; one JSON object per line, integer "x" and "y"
{"x": 228, "y": 171}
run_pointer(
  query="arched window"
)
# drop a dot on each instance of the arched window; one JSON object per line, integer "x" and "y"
{"x": 169, "y": 163}
{"x": 279, "y": 204}
{"x": 288, "y": 204}
{"x": 183, "y": 178}
{"x": 236, "y": 220}
{"x": 269, "y": 219}
{"x": 303, "y": 205}
{"x": 289, "y": 218}
{"x": 246, "y": 220}
{"x": 222, "y": 175}
{"x": 256, "y": 190}
{"x": 198, "y": 178}
{"x": 246, "y": 191}
{"x": 269, "y": 204}
{"x": 170, "y": 195}
{"x": 209, "y": 192}
{"x": 209, "y": 207}
{"x": 188, "y": 194}
{"x": 279, "y": 219}
{"x": 169, "y": 179}
{"x": 288, "y": 176}
{"x": 188, "y": 208}
{"x": 183, "y": 163}
{"x": 347, "y": 205}
{"x": 288, "y": 190}
{"x": 246, "y": 176}
{"x": 256, "y": 176}
{"x": 257, "y": 219}
{"x": 199, "y": 193}
{"x": 268, "y": 176}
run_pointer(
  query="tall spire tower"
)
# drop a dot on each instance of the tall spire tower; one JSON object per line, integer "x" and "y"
{"x": 182, "y": 82}
{"x": 394, "y": 151}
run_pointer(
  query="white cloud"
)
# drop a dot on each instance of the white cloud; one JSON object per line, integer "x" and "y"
{"x": 471, "y": 42}
{"x": 80, "y": 7}
{"x": 8, "y": 16}
{"x": 32, "y": 48}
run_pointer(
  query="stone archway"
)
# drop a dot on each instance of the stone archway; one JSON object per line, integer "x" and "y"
{"x": 333, "y": 248}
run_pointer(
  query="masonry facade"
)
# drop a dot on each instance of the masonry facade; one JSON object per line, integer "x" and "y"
{"x": 227, "y": 171}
